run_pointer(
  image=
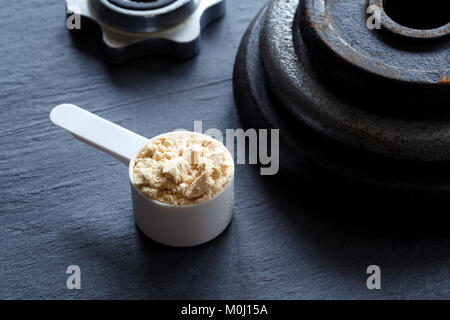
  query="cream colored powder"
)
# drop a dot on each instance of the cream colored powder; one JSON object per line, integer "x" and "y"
{"x": 183, "y": 169}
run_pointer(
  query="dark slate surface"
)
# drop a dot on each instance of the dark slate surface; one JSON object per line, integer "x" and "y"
{"x": 64, "y": 203}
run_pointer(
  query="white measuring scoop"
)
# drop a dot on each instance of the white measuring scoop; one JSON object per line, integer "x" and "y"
{"x": 179, "y": 226}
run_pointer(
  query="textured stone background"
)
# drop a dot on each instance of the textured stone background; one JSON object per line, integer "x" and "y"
{"x": 63, "y": 202}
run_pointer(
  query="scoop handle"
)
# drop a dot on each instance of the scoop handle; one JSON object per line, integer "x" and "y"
{"x": 104, "y": 135}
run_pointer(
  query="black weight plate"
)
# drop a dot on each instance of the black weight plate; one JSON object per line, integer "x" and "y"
{"x": 311, "y": 100}
{"x": 306, "y": 156}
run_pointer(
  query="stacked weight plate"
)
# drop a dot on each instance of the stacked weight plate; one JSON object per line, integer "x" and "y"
{"x": 357, "y": 107}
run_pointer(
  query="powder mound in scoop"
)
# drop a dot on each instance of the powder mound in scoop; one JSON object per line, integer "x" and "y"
{"x": 183, "y": 169}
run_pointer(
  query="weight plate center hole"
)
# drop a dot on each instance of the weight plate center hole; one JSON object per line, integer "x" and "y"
{"x": 418, "y": 14}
